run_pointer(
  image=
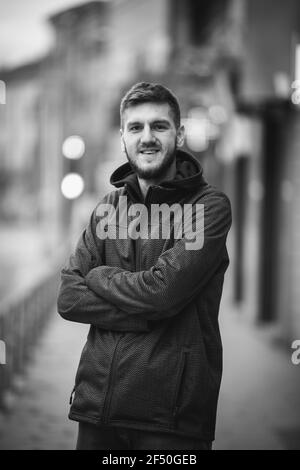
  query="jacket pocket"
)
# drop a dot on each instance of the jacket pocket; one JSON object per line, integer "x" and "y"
{"x": 179, "y": 383}
{"x": 196, "y": 394}
{"x": 92, "y": 374}
{"x": 145, "y": 382}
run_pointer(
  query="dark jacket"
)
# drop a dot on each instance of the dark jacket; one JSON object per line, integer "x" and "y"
{"x": 153, "y": 356}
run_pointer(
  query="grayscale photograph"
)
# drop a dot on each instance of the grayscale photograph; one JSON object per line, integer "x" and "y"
{"x": 149, "y": 246}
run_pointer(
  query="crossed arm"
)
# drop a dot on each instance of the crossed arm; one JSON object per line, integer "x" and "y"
{"x": 116, "y": 299}
{"x": 176, "y": 278}
{"x": 77, "y": 302}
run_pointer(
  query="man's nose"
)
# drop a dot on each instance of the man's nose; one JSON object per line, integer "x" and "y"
{"x": 147, "y": 135}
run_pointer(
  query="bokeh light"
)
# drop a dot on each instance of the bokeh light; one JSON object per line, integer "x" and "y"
{"x": 197, "y": 134}
{"x": 73, "y": 147}
{"x": 2, "y": 92}
{"x": 72, "y": 186}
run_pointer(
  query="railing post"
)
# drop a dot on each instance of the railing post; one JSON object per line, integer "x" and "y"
{"x": 21, "y": 322}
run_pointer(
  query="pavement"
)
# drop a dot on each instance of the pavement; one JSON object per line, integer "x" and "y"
{"x": 37, "y": 414}
{"x": 259, "y": 406}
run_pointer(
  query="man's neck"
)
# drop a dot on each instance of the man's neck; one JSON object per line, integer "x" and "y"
{"x": 146, "y": 183}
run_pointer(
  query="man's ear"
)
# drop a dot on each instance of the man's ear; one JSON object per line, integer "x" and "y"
{"x": 123, "y": 148}
{"x": 180, "y": 136}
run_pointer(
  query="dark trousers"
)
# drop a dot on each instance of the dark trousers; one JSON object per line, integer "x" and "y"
{"x": 91, "y": 437}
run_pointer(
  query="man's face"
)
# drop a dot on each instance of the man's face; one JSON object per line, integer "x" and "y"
{"x": 149, "y": 138}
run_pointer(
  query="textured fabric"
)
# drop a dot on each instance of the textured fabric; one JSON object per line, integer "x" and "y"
{"x": 153, "y": 357}
{"x": 91, "y": 437}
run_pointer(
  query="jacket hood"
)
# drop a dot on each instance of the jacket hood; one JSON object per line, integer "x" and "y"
{"x": 189, "y": 176}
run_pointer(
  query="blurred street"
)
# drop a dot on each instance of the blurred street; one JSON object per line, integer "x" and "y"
{"x": 37, "y": 418}
{"x": 22, "y": 257}
{"x": 252, "y": 414}
{"x": 259, "y": 405}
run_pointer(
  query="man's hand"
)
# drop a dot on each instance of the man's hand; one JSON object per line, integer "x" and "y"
{"x": 76, "y": 302}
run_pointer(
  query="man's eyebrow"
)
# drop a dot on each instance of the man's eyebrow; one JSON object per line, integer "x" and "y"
{"x": 132, "y": 123}
{"x": 155, "y": 121}
{"x": 161, "y": 121}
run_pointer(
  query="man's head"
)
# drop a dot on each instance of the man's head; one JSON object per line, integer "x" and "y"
{"x": 150, "y": 129}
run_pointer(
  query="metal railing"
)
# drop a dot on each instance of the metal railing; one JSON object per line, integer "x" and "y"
{"x": 22, "y": 320}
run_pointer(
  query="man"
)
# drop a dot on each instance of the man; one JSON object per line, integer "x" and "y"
{"x": 147, "y": 274}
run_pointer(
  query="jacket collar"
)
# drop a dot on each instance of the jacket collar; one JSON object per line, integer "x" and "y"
{"x": 188, "y": 179}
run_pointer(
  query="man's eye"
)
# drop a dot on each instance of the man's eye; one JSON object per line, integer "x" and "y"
{"x": 160, "y": 127}
{"x": 135, "y": 128}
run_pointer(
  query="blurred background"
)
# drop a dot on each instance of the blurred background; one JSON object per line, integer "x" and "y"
{"x": 235, "y": 67}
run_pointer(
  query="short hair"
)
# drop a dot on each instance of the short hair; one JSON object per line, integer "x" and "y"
{"x": 144, "y": 92}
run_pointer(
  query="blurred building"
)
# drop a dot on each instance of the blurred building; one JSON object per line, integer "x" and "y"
{"x": 75, "y": 90}
{"x": 20, "y": 143}
{"x": 231, "y": 63}
{"x": 261, "y": 157}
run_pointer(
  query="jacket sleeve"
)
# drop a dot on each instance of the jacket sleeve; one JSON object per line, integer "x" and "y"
{"x": 179, "y": 273}
{"x": 76, "y": 302}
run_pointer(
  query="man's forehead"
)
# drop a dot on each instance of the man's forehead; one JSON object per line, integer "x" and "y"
{"x": 148, "y": 111}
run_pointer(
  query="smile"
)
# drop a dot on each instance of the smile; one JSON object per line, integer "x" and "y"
{"x": 149, "y": 152}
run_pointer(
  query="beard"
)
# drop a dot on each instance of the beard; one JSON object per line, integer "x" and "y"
{"x": 158, "y": 170}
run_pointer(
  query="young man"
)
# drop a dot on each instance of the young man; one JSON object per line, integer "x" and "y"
{"x": 147, "y": 274}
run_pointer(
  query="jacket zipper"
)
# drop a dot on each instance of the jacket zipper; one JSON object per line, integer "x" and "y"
{"x": 178, "y": 386}
{"x": 109, "y": 390}
{"x": 148, "y": 195}
{"x": 138, "y": 255}
{"x": 138, "y": 266}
